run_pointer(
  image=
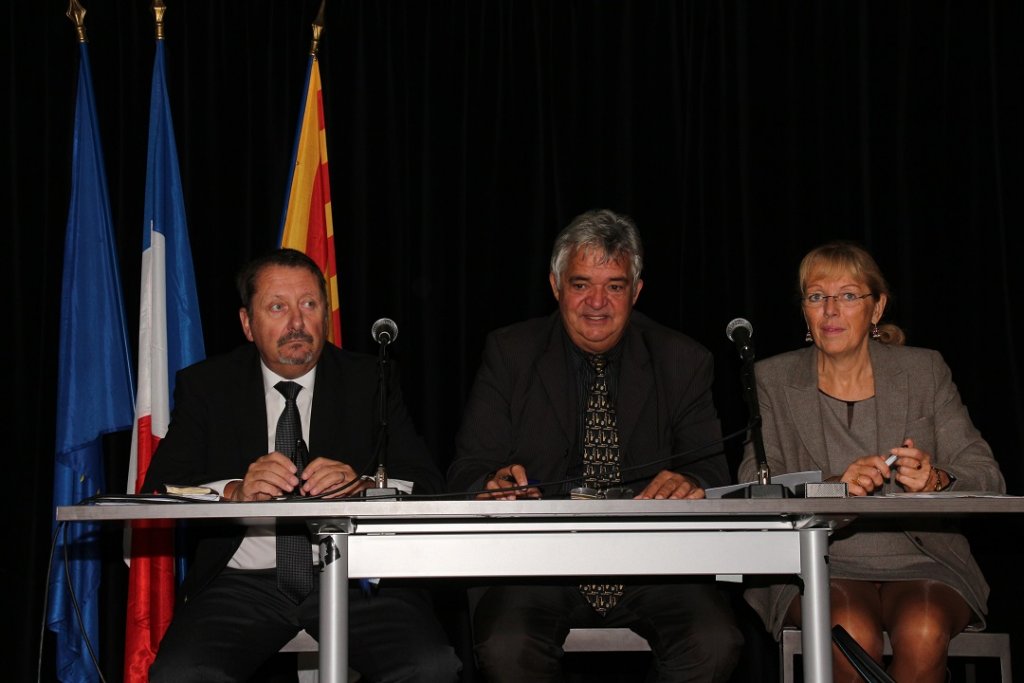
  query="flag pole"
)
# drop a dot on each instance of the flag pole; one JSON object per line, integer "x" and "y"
{"x": 158, "y": 9}
{"x": 76, "y": 13}
{"x": 318, "y": 28}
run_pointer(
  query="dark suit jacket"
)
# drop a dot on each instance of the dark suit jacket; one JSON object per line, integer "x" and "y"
{"x": 914, "y": 397}
{"x": 522, "y": 408}
{"x": 219, "y": 426}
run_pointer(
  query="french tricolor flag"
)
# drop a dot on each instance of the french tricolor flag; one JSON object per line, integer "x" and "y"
{"x": 170, "y": 338}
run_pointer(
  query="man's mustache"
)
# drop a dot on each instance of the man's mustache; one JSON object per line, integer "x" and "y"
{"x": 295, "y": 335}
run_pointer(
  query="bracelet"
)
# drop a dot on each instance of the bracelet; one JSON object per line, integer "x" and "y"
{"x": 938, "y": 480}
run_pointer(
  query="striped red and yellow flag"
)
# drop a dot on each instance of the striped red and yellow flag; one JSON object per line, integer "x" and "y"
{"x": 308, "y": 225}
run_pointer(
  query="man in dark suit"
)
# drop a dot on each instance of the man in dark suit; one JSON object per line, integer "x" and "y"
{"x": 601, "y": 396}
{"x": 225, "y": 433}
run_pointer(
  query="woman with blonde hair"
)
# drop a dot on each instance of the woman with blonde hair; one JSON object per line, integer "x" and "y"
{"x": 844, "y": 405}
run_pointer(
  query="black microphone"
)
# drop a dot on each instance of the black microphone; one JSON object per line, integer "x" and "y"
{"x": 384, "y": 331}
{"x": 739, "y": 331}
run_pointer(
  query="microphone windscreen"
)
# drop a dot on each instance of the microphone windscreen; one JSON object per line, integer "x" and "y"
{"x": 384, "y": 331}
{"x": 737, "y": 323}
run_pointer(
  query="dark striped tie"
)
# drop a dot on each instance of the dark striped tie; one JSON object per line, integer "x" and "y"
{"x": 295, "y": 571}
{"x": 601, "y": 467}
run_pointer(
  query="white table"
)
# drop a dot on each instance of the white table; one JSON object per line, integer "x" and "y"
{"x": 426, "y": 539}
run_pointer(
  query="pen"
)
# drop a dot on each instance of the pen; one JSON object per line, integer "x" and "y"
{"x": 509, "y": 478}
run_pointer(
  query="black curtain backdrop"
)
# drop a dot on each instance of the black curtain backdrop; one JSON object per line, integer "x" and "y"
{"x": 464, "y": 134}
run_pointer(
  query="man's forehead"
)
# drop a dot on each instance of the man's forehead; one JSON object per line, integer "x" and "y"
{"x": 591, "y": 259}
{"x": 277, "y": 281}
{"x": 590, "y": 276}
{"x": 284, "y": 274}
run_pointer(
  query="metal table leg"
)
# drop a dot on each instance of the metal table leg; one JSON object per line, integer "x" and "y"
{"x": 333, "y": 604}
{"x": 815, "y": 606}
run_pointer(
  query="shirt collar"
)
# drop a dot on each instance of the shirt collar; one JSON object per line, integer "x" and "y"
{"x": 271, "y": 378}
{"x": 612, "y": 355}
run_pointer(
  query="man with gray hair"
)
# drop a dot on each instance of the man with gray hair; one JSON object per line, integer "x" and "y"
{"x": 595, "y": 400}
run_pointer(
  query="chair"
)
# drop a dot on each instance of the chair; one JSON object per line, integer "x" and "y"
{"x": 966, "y": 644}
{"x": 604, "y": 640}
{"x": 604, "y": 654}
{"x": 308, "y": 651}
{"x": 581, "y": 639}
{"x": 578, "y": 640}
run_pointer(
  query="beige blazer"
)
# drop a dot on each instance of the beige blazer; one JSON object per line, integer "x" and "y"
{"x": 915, "y": 397}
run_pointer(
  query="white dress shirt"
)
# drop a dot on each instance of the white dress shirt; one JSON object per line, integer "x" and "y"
{"x": 259, "y": 547}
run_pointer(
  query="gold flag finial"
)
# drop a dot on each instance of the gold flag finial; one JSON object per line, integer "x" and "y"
{"x": 76, "y": 13}
{"x": 158, "y": 13}
{"x": 318, "y": 29}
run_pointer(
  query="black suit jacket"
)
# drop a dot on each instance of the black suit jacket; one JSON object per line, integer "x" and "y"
{"x": 522, "y": 408}
{"x": 219, "y": 426}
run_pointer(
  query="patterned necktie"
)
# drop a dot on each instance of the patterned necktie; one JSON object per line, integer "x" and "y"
{"x": 600, "y": 467}
{"x": 295, "y": 572}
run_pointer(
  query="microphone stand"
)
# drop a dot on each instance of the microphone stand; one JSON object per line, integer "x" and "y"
{"x": 762, "y": 488}
{"x": 380, "y": 486}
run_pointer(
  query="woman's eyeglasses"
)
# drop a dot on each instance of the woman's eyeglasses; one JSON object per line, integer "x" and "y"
{"x": 844, "y": 299}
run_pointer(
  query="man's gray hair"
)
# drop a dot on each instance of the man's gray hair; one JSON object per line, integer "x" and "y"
{"x": 613, "y": 235}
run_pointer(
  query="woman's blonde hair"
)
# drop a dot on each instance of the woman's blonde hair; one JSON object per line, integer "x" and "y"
{"x": 837, "y": 258}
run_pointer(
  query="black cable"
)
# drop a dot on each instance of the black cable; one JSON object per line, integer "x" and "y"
{"x": 63, "y": 527}
{"x": 725, "y": 439}
{"x": 78, "y": 610}
{"x": 46, "y": 601}
{"x": 142, "y": 498}
{"x": 573, "y": 480}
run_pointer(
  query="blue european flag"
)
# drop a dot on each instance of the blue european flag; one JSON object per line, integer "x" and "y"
{"x": 94, "y": 384}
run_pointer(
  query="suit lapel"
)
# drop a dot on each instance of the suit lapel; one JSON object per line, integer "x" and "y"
{"x": 635, "y": 385}
{"x": 890, "y": 385}
{"x": 250, "y": 407}
{"x": 805, "y": 407}
{"x": 891, "y": 390}
{"x": 330, "y": 397}
{"x": 554, "y": 376}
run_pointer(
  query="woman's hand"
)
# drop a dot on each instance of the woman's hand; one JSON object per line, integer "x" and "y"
{"x": 914, "y": 471}
{"x": 865, "y": 475}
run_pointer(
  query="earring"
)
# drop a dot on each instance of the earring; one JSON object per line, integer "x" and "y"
{"x": 807, "y": 337}
{"x": 875, "y": 332}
